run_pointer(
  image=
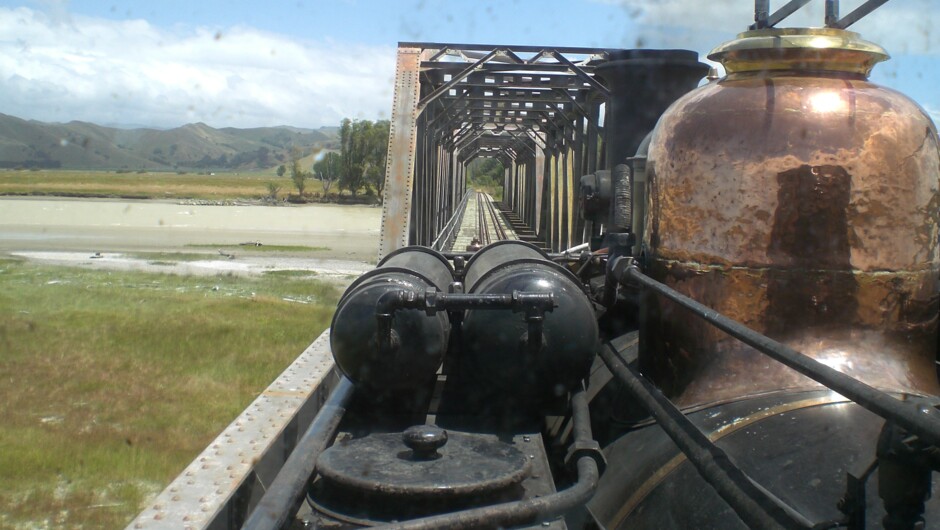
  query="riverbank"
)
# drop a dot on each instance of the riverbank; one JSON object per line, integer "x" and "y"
{"x": 321, "y": 231}
{"x": 133, "y": 331}
{"x": 141, "y": 185}
{"x": 222, "y": 188}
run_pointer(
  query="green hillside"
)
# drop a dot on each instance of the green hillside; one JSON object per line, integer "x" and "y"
{"x": 81, "y": 145}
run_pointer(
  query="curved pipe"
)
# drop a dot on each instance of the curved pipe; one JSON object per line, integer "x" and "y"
{"x": 529, "y": 511}
{"x": 286, "y": 492}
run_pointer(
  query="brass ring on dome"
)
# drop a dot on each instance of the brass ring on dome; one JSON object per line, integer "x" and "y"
{"x": 799, "y": 49}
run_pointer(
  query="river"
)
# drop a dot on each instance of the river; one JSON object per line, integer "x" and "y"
{"x": 104, "y": 225}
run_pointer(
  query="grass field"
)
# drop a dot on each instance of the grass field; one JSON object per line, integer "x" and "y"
{"x": 220, "y": 186}
{"x": 112, "y": 382}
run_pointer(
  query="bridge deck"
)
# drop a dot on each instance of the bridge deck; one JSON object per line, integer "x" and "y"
{"x": 482, "y": 220}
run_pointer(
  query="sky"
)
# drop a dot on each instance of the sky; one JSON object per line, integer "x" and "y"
{"x": 310, "y": 63}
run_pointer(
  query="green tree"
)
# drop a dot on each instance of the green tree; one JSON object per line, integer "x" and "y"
{"x": 297, "y": 175}
{"x": 352, "y": 154}
{"x": 327, "y": 169}
{"x": 363, "y": 154}
{"x": 273, "y": 190}
{"x": 281, "y": 169}
{"x": 486, "y": 174}
{"x": 377, "y": 155}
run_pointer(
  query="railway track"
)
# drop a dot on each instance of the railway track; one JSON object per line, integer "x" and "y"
{"x": 481, "y": 223}
{"x": 489, "y": 225}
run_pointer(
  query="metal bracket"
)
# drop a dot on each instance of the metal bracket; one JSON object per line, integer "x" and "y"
{"x": 763, "y": 19}
{"x": 586, "y": 448}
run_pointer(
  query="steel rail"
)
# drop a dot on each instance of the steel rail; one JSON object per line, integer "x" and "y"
{"x": 529, "y": 511}
{"x": 919, "y": 419}
{"x": 753, "y": 504}
{"x": 283, "y": 497}
{"x": 498, "y": 229}
{"x": 482, "y": 227}
{"x": 446, "y": 238}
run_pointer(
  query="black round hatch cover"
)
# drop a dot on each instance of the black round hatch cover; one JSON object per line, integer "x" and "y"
{"x": 424, "y": 471}
{"x": 466, "y": 464}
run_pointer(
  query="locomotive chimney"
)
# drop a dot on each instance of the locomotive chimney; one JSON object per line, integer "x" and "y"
{"x": 642, "y": 84}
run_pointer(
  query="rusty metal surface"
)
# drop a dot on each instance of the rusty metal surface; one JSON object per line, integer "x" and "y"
{"x": 402, "y": 139}
{"x": 805, "y": 207}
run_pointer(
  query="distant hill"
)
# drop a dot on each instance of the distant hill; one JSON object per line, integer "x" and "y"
{"x": 81, "y": 145}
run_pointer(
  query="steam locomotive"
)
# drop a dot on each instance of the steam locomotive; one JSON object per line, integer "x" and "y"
{"x": 750, "y": 340}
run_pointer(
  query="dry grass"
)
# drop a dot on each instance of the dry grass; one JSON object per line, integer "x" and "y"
{"x": 144, "y": 185}
{"x": 112, "y": 382}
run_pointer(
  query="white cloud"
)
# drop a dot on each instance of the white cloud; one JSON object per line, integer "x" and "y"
{"x": 934, "y": 113}
{"x": 906, "y": 26}
{"x": 61, "y": 67}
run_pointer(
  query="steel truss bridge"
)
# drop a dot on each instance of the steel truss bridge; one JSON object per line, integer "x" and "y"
{"x": 539, "y": 111}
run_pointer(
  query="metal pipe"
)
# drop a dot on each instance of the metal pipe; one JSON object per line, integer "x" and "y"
{"x": 450, "y": 254}
{"x": 756, "y": 507}
{"x": 286, "y": 492}
{"x": 529, "y": 511}
{"x": 581, "y": 417}
{"x": 432, "y": 301}
{"x": 534, "y": 305}
{"x": 918, "y": 419}
{"x": 576, "y": 248}
{"x": 385, "y": 307}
